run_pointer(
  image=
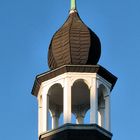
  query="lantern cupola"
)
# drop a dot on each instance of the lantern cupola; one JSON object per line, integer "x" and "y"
{"x": 75, "y": 84}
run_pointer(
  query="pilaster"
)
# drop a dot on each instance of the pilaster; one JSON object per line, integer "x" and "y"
{"x": 94, "y": 102}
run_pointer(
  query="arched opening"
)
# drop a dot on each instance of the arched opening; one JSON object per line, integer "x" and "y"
{"x": 55, "y": 104}
{"x": 101, "y": 105}
{"x": 80, "y": 100}
{"x": 40, "y": 115}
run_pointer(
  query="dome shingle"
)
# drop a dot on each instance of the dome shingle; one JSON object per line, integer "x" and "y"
{"x": 74, "y": 44}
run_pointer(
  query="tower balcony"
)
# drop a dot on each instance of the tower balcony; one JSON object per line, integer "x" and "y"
{"x": 77, "y": 132}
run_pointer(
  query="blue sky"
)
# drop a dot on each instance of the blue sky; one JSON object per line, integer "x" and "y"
{"x": 26, "y": 28}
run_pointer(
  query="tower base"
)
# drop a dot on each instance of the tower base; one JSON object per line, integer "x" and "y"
{"x": 77, "y": 132}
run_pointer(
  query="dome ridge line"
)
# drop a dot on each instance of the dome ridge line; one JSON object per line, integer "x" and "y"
{"x": 70, "y": 40}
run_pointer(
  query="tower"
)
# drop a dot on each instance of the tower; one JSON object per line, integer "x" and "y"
{"x": 74, "y": 84}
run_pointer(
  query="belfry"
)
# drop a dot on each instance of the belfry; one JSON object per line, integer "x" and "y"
{"x": 74, "y": 84}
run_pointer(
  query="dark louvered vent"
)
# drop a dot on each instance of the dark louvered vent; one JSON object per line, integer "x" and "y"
{"x": 74, "y": 44}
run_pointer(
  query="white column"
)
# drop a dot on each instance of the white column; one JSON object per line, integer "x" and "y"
{"x": 67, "y": 101}
{"x": 101, "y": 119}
{"x": 107, "y": 113}
{"x": 94, "y": 103}
{"x": 45, "y": 110}
{"x": 39, "y": 115}
{"x": 80, "y": 112}
{"x": 55, "y": 121}
{"x": 79, "y": 120}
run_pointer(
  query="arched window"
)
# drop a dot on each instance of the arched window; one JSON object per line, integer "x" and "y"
{"x": 80, "y": 100}
{"x": 55, "y": 94}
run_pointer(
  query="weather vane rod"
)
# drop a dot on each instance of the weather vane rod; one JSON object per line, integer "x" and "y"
{"x": 73, "y": 4}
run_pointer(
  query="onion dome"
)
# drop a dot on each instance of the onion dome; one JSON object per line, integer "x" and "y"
{"x": 74, "y": 43}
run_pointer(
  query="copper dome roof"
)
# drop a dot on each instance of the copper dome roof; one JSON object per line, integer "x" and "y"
{"x": 74, "y": 44}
